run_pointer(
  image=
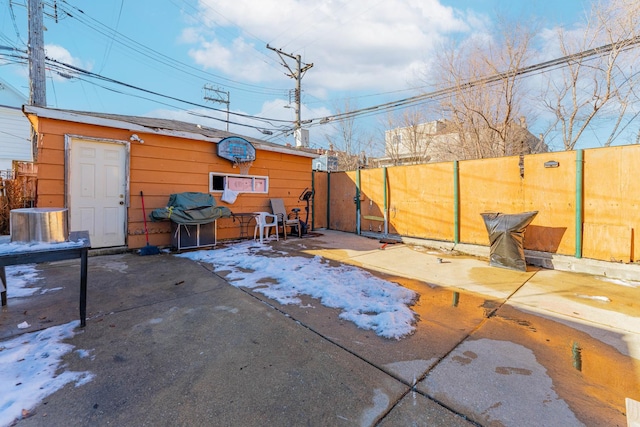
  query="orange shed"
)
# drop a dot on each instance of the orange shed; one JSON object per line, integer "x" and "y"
{"x": 98, "y": 166}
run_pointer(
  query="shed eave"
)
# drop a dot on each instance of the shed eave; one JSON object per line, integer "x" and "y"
{"x": 71, "y": 116}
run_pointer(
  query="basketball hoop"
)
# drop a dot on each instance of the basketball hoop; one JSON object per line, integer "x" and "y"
{"x": 243, "y": 166}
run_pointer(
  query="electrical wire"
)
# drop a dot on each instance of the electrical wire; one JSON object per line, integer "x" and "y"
{"x": 158, "y": 57}
{"x": 64, "y": 68}
{"x": 15, "y": 24}
{"x": 108, "y": 50}
{"x": 197, "y": 16}
{"x": 492, "y": 79}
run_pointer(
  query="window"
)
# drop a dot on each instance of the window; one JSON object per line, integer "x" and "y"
{"x": 239, "y": 183}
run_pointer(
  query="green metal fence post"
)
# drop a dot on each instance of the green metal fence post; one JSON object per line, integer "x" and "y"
{"x": 313, "y": 210}
{"x": 357, "y": 200}
{"x": 385, "y": 211}
{"x": 329, "y": 200}
{"x": 579, "y": 200}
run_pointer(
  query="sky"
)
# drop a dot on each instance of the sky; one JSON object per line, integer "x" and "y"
{"x": 364, "y": 53}
{"x": 31, "y": 365}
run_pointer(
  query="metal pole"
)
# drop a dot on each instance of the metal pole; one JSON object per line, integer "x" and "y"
{"x": 329, "y": 200}
{"x": 357, "y": 201}
{"x": 385, "y": 202}
{"x": 313, "y": 210}
{"x": 579, "y": 200}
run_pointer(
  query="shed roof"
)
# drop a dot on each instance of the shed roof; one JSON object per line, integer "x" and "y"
{"x": 156, "y": 126}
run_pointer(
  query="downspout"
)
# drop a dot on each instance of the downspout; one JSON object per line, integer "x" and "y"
{"x": 357, "y": 200}
{"x": 385, "y": 207}
{"x": 456, "y": 202}
{"x": 579, "y": 201}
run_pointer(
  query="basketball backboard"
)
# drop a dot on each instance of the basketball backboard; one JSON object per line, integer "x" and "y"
{"x": 236, "y": 149}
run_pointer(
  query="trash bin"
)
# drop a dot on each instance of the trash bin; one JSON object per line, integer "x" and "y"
{"x": 506, "y": 235}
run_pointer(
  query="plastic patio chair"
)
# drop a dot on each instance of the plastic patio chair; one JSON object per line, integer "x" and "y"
{"x": 277, "y": 206}
{"x": 264, "y": 222}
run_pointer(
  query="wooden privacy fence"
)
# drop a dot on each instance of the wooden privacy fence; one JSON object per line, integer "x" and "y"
{"x": 588, "y": 201}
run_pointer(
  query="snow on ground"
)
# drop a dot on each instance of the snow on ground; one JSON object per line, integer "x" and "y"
{"x": 369, "y": 302}
{"x": 627, "y": 283}
{"x": 21, "y": 279}
{"x": 29, "y": 369}
{"x": 29, "y": 363}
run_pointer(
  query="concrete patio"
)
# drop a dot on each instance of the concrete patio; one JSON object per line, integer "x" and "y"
{"x": 173, "y": 343}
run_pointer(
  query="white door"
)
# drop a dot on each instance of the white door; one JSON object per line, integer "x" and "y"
{"x": 97, "y": 191}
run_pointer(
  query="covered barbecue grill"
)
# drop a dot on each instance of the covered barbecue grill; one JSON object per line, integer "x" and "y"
{"x": 193, "y": 219}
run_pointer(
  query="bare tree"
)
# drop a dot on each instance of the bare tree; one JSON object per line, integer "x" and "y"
{"x": 592, "y": 89}
{"x": 485, "y": 113}
{"x": 350, "y": 144}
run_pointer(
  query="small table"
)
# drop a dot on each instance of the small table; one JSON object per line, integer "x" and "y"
{"x": 244, "y": 218}
{"x": 77, "y": 247}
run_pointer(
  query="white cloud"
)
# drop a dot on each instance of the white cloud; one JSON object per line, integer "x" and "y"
{"x": 355, "y": 45}
{"x": 61, "y": 54}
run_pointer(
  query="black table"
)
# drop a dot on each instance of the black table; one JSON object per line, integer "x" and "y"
{"x": 244, "y": 218}
{"x": 77, "y": 247}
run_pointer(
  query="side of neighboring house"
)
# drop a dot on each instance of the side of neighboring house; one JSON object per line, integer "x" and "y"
{"x": 96, "y": 165}
{"x": 436, "y": 142}
{"x": 15, "y": 129}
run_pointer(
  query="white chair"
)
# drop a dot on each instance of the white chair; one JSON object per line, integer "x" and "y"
{"x": 264, "y": 222}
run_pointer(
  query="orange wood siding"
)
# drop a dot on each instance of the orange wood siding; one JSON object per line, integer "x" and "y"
{"x": 341, "y": 205}
{"x": 488, "y": 185}
{"x": 164, "y": 165}
{"x": 320, "y": 198}
{"x": 372, "y": 200}
{"x": 612, "y": 203}
{"x": 551, "y": 192}
{"x": 420, "y": 200}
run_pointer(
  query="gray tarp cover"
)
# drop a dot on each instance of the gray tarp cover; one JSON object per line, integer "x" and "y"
{"x": 506, "y": 234}
{"x": 190, "y": 208}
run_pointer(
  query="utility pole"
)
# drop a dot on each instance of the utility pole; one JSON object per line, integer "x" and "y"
{"x": 297, "y": 75}
{"x": 218, "y": 97}
{"x": 37, "y": 76}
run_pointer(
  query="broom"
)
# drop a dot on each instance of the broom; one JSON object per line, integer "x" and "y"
{"x": 149, "y": 249}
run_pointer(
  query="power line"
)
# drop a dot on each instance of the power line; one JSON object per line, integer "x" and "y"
{"x": 63, "y": 66}
{"x": 80, "y": 16}
{"x": 405, "y": 102}
{"x": 69, "y": 71}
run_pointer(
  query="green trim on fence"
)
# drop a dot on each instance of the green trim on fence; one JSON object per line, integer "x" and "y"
{"x": 385, "y": 211}
{"x": 357, "y": 200}
{"x": 313, "y": 204}
{"x": 579, "y": 200}
{"x": 328, "y": 200}
{"x": 456, "y": 202}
